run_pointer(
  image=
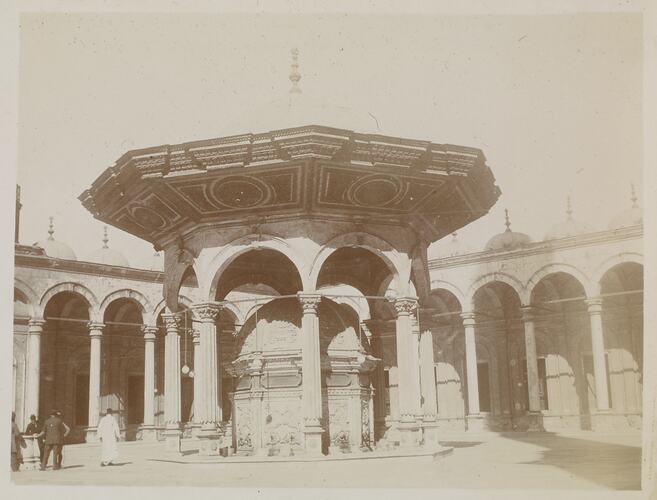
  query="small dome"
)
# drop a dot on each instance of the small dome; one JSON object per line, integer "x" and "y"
{"x": 156, "y": 262}
{"x": 298, "y": 110}
{"x": 570, "y": 227}
{"x": 108, "y": 256}
{"x": 55, "y": 249}
{"x": 508, "y": 240}
{"x": 631, "y": 217}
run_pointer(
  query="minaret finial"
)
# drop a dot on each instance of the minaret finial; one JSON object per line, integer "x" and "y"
{"x": 634, "y": 198}
{"x": 51, "y": 228}
{"x": 569, "y": 208}
{"x": 295, "y": 76}
{"x": 105, "y": 238}
{"x": 507, "y": 222}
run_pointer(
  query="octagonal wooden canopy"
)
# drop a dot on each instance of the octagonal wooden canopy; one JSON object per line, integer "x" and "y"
{"x": 306, "y": 172}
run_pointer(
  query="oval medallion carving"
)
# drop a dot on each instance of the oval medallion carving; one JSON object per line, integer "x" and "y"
{"x": 148, "y": 218}
{"x": 375, "y": 191}
{"x": 240, "y": 192}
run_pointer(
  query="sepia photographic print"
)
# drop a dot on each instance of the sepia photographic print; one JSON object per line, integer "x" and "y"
{"x": 354, "y": 250}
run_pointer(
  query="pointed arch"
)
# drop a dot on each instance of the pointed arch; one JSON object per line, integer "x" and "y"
{"x": 219, "y": 262}
{"x": 510, "y": 280}
{"x": 378, "y": 246}
{"x": 559, "y": 267}
{"x": 29, "y": 293}
{"x": 126, "y": 293}
{"x": 611, "y": 262}
{"x": 76, "y": 288}
{"x": 453, "y": 289}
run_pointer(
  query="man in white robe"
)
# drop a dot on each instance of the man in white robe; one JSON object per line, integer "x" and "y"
{"x": 109, "y": 434}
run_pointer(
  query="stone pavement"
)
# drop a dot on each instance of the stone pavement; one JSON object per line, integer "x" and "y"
{"x": 510, "y": 461}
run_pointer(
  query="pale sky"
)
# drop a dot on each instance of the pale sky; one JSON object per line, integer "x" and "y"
{"x": 555, "y": 102}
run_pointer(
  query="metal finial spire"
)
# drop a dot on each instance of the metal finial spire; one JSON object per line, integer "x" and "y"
{"x": 51, "y": 229}
{"x": 105, "y": 238}
{"x": 295, "y": 76}
{"x": 634, "y": 198}
{"x": 569, "y": 208}
{"x": 507, "y": 222}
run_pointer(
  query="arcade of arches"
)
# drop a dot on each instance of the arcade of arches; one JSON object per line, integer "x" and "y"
{"x": 560, "y": 359}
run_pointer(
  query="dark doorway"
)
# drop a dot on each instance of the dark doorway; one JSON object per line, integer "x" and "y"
{"x": 484, "y": 386}
{"x": 186, "y": 399}
{"x": 82, "y": 400}
{"x": 135, "y": 408}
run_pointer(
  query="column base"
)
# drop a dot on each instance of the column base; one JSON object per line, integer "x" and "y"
{"x": 475, "y": 423}
{"x": 409, "y": 434}
{"x": 148, "y": 432}
{"x": 195, "y": 430}
{"x": 430, "y": 434}
{"x": 313, "y": 439}
{"x": 602, "y": 421}
{"x": 31, "y": 458}
{"x": 91, "y": 435}
{"x": 210, "y": 441}
{"x": 535, "y": 421}
{"x": 172, "y": 436}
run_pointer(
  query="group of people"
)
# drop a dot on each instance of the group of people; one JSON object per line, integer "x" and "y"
{"x": 50, "y": 438}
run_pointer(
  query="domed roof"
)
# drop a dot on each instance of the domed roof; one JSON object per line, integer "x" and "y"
{"x": 569, "y": 227}
{"x": 106, "y": 255}
{"x": 299, "y": 109}
{"x": 55, "y": 249}
{"x": 631, "y": 217}
{"x": 508, "y": 240}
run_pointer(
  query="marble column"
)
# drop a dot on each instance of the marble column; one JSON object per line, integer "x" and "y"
{"x": 408, "y": 373}
{"x": 533, "y": 384}
{"x": 429, "y": 395}
{"x": 95, "y": 338}
{"x": 474, "y": 416}
{"x": 378, "y": 383}
{"x": 196, "y": 341}
{"x": 311, "y": 374}
{"x": 148, "y": 431}
{"x": 600, "y": 420}
{"x": 172, "y": 402}
{"x": 33, "y": 370}
{"x": 205, "y": 315}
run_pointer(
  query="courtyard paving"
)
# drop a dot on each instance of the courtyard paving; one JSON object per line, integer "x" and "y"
{"x": 506, "y": 461}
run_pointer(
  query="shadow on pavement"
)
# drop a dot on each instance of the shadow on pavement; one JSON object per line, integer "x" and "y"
{"x": 460, "y": 444}
{"x": 611, "y": 465}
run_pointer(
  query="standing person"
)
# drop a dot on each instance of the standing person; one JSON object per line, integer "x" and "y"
{"x": 54, "y": 431}
{"x": 33, "y": 429}
{"x": 109, "y": 434}
{"x": 16, "y": 444}
{"x": 60, "y": 455}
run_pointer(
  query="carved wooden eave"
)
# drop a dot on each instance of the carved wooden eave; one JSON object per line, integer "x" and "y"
{"x": 166, "y": 191}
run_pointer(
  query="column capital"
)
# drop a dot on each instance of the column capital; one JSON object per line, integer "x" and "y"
{"x": 528, "y": 313}
{"x": 468, "y": 318}
{"x": 149, "y": 332}
{"x": 206, "y": 312}
{"x": 95, "y": 328}
{"x": 594, "y": 305}
{"x": 405, "y": 306}
{"x": 171, "y": 322}
{"x": 35, "y": 325}
{"x": 309, "y": 302}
